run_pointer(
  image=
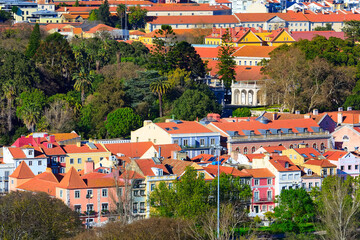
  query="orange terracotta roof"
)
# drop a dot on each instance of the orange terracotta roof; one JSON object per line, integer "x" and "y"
{"x": 40, "y": 185}
{"x": 99, "y": 182}
{"x": 203, "y": 157}
{"x": 254, "y": 51}
{"x": 145, "y": 166}
{"x": 259, "y": 173}
{"x": 72, "y": 180}
{"x": 254, "y": 125}
{"x": 207, "y": 52}
{"x": 136, "y": 32}
{"x": 287, "y": 116}
{"x": 17, "y": 152}
{"x": 176, "y": 166}
{"x": 254, "y": 156}
{"x": 334, "y": 155}
{"x": 212, "y": 169}
{"x": 167, "y": 149}
{"x": 273, "y": 149}
{"x": 332, "y": 17}
{"x": 100, "y": 27}
{"x": 48, "y": 176}
{"x": 73, "y": 148}
{"x": 198, "y": 20}
{"x": 243, "y": 73}
{"x": 183, "y": 127}
{"x": 185, "y": 7}
{"x": 279, "y": 162}
{"x": 321, "y": 163}
{"x": 308, "y": 152}
{"x": 349, "y": 117}
{"x": 262, "y": 17}
{"x": 131, "y": 149}
{"x": 23, "y": 171}
{"x": 129, "y": 174}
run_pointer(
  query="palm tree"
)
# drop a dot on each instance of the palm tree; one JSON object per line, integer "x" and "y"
{"x": 160, "y": 86}
{"x": 30, "y": 115}
{"x": 9, "y": 91}
{"x": 83, "y": 82}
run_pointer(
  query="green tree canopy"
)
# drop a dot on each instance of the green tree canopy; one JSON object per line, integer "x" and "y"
{"x": 295, "y": 207}
{"x": 121, "y": 122}
{"x": 241, "y": 112}
{"x": 104, "y": 13}
{"x": 137, "y": 17}
{"x": 352, "y": 30}
{"x": 193, "y": 104}
{"x": 34, "y": 41}
{"x": 25, "y": 215}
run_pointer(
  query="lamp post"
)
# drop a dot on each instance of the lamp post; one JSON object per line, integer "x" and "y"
{"x": 88, "y": 196}
{"x": 218, "y": 191}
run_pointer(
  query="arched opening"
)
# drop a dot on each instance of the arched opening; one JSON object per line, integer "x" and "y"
{"x": 314, "y": 146}
{"x": 245, "y": 150}
{"x": 237, "y": 149}
{"x": 243, "y": 97}
{"x": 236, "y": 96}
{"x": 253, "y": 149}
{"x": 251, "y": 98}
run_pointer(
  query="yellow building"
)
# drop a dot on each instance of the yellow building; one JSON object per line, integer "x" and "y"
{"x": 76, "y": 155}
{"x": 239, "y": 37}
{"x": 278, "y": 37}
{"x": 321, "y": 167}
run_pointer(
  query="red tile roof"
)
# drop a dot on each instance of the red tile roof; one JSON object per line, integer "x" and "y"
{"x": 101, "y": 27}
{"x": 176, "y": 166}
{"x": 212, "y": 169}
{"x": 145, "y": 166}
{"x": 334, "y": 155}
{"x": 308, "y": 152}
{"x": 279, "y": 162}
{"x": 320, "y": 162}
{"x": 259, "y": 173}
{"x": 183, "y": 127}
{"x": 132, "y": 149}
{"x": 262, "y": 17}
{"x": 202, "y": 157}
{"x": 72, "y": 180}
{"x": 309, "y": 35}
{"x": 207, "y": 52}
{"x": 129, "y": 174}
{"x": 254, "y": 51}
{"x": 40, "y": 184}
{"x": 185, "y": 7}
{"x": 349, "y": 117}
{"x": 273, "y": 149}
{"x": 198, "y": 20}
{"x": 23, "y": 171}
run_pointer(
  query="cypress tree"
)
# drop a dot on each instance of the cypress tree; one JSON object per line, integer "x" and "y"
{"x": 104, "y": 13}
{"x": 76, "y": 3}
{"x": 34, "y": 41}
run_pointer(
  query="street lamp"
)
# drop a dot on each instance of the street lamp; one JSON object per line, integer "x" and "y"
{"x": 218, "y": 191}
{"x": 88, "y": 197}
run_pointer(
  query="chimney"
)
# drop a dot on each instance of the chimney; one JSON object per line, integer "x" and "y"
{"x": 147, "y": 122}
{"x": 315, "y": 111}
{"x": 275, "y": 116}
{"x": 349, "y": 108}
{"x": 340, "y": 109}
{"x": 78, "y": 144}
{"x": 52, "y": 138}
{"x": 307, "y": 116}
{"x": 65, "y": 9}
{"x": 89, "y": 166}
{"x": 340, "y": 118}
{"x": 297, "y": 111}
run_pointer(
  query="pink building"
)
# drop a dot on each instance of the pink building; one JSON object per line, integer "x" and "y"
{"x": 309, "y": 179}
{"x": 262, "y": 186}
{"x": 347, "y": 163}
{"x": 347, "y": 137}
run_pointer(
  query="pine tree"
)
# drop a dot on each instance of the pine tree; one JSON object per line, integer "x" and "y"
{"x": 104, "y": 13}
{"x": 76, "y": 3}
{"x": 34, "y": 41}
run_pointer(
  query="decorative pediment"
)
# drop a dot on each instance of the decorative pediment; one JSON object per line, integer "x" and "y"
{"x": 276, "y": 19}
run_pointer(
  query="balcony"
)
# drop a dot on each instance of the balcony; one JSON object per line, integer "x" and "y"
{"x": 90, "y": 213}
{"x": 139, "y": 185}
{"x": 282, "y": 136}
{"x": 263, "y": 200}
{"x": 197, "y": 146}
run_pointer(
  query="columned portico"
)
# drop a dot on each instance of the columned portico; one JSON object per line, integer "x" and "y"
{"x": 246, "y": 93}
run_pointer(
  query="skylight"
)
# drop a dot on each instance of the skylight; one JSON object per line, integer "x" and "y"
{"x": 313, "y": 155}
{"x": 304, "y": 155}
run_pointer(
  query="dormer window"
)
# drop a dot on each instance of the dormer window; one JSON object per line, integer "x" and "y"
{"x": 290, "y": 130}
{"x": 309, "y": 172}
{"x": 49, "y": 145}
{"x": 286, "y": 165}
{"x": 31, "y": 152}
{"x": 252, "y": 133}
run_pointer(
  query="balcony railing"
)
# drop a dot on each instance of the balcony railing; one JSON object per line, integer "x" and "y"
{"x": 259, "y": 200}
{"x": 197, "y": 146}
{"x": 140, "y": 186}
{"x": 283, "y": 136}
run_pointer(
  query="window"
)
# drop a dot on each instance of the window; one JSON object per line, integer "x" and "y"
{"x": 310, "y": 184}
{"x": 31, "y": 152}
{"x": 202, "y": 152}
{"x": 105, "y": 192}
{"x": 356, "y": 167}
{"x": 77, "y": 193}
{"x": 89, "y": 193}
{"x": 39, "y": 172}
{"x": 290, "y": 177}
{"x": 346, "y": 138}
{"x": 256, "y": 196}
{"x": 202, "y": 142}
{"x": 142, "y": 206}
{"x": 30, "y": 163}
{"x": 89, "y": 159}
{"x": 332, "y": 171}
{"x": 283, "y": 176}
{"x": 176, "y": 141}
{"x": 62, "y": 159}
{"x": 152, "y": 187}
{"x": 79, "y": 161}
{"x": 322, "y": 146}
{"x": 185, "y": 142}
{"x": 101, "y": 158}
{"x": 295, "y": 157}
{"x": 136, "y": 193}
{"x": 39, "y": 163}
{"x": 269, "y": 195}
{"x": 317, "y": 184}
{"x": 256, "y": 182}
{"x": 253, "y": 149}
{"x": 61, "y": 193}
{"x": 77, "y": 208}
{"x": 212, "y": 141}
{"x": 269, "y": 182}
{"x": 71, "y": 161}
{"x": 104, "y": 207}
{"x": 342, "y": 168}
{"x": 296, "y": 176}
{"x": 349, "y": 167}
{"x": 89, "y": 207}
{"x": 54, "y": 159}
{"x": 245, "y": 150}
{"x": 135, "y": 207}
{"x": 314, "y": 145}
{"x": 291, "y": 146}
{"x": 290, "y": 156}
{"x": 142, "y": 192}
